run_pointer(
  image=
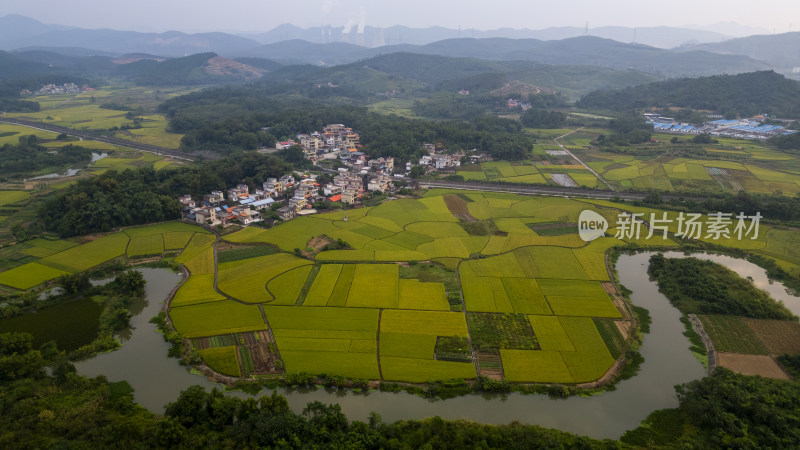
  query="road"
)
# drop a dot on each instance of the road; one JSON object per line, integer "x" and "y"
{"x": 161, "y": 151}
{"x": 579, "y": 160}
{"x": 532, "y": 189}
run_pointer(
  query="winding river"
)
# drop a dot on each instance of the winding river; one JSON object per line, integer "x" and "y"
{"x": 157, "y": 379}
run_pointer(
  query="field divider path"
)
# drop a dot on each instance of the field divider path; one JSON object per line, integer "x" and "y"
{"x": 475, "y": 359}
{"x": 271, "y": 335}
{"x": 555, "y": 139}
{"x": 378, "y": 344}
{"x": 712, "y": 354}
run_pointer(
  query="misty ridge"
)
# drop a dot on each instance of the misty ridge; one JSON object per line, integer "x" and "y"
{"x": 331, "y": 45}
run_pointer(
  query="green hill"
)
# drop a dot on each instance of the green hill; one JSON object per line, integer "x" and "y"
{"x": 744, "y": 94}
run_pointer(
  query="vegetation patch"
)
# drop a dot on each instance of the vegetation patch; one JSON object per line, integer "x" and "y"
{"x": 705, "y": 287}
{"x": 493, "y": 332}
{"x": 244, "y": 252}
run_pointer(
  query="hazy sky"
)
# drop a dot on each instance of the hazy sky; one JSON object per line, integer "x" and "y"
{"x": 263, "y": 15}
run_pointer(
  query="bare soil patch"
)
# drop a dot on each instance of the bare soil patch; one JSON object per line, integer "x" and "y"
{"x": 458, "y": 208}
{"x": 762, "y": 365}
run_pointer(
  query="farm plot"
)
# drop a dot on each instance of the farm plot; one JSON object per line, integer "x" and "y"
{"x": 731, "y": 334}
{"x": 414, "y": 294}
{"x": 591, "y": 358}
{"x": 578, "y": 298}
{"x": 222, "y": 317}
{"x": 326, "y": 340}
{"x": 175, "y": 240}
{"x": 197, "y": 289}
{"x": 407, "y": 344}
{"x": 141, "y": 246}
{"x": 91, "y": 254}
{"x": 421, "y": 370}
{"x": 198, "y": 256}
{"x": 42, "y": 248}
{"x": 778, "y": 336}
{"x": 29, "y": 275}
{"x": 286, "y": 287}
{"x": 324, "y": 284}
{"x": 535, "y": 366}
{"x": 550, "y": 334}
{"x": 374, "y": 286}
{"x": 246, "y": 279}
{"x": 222, "y": 360}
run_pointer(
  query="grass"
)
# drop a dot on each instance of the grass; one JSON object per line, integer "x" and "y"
{"x": 222, "y": 317}
{"x": 197, "y": 289}
{"x": 222, "y": 360}
{"x": 29, "y": 275}
{"x": 421, "y": 370}
{"x": 91, "y": 254}
{"x": 246, "y": 279}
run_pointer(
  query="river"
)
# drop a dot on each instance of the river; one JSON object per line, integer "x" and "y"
{"x": 157, "y": 379}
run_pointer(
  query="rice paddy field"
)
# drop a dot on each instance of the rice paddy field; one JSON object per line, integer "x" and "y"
{"x": 83, "y": 111}
{"x": 49, "y": 259}
{"x": 353, "y": 312}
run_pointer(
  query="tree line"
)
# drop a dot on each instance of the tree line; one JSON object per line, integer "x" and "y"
{"x": 135, "y": 197}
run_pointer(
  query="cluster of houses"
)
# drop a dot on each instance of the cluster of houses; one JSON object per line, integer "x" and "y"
{"x": 335, "y": 141}
{"x": 514, "y": 104}
{"x": 53, "y": 89}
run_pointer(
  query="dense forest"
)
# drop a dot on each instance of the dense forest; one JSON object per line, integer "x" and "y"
{"x": 726, "y": 410}
{"x": 742, "y": 95}
{"x": 697, "y": 286}
{"x": 134, "y": 197}
{"x": 231, "y": 118}
{"x": 28, "y": 157}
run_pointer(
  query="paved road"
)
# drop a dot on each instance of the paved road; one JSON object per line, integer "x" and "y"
{"x": 162, "y": 151}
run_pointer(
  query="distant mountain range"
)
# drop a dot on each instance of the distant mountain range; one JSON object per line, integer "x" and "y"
{"x": 100, "y": 52}
{"x": 662, "y": 37}
{"x": 584, "y": 50}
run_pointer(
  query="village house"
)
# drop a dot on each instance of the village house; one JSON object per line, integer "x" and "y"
{"x": 187, "y": 201}
{"x": 214, "y": 197}
{"x": 349, "y": 196}
{"x": 272, "y": 185}
{"x": 206, "y": 215}
{"x": 381, "y": 182}
{"x": 240, "y": 192}
{"x": 286, "y": 213}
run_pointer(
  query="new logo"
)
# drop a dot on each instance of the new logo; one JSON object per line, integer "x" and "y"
{"x": 591, "y": 225}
